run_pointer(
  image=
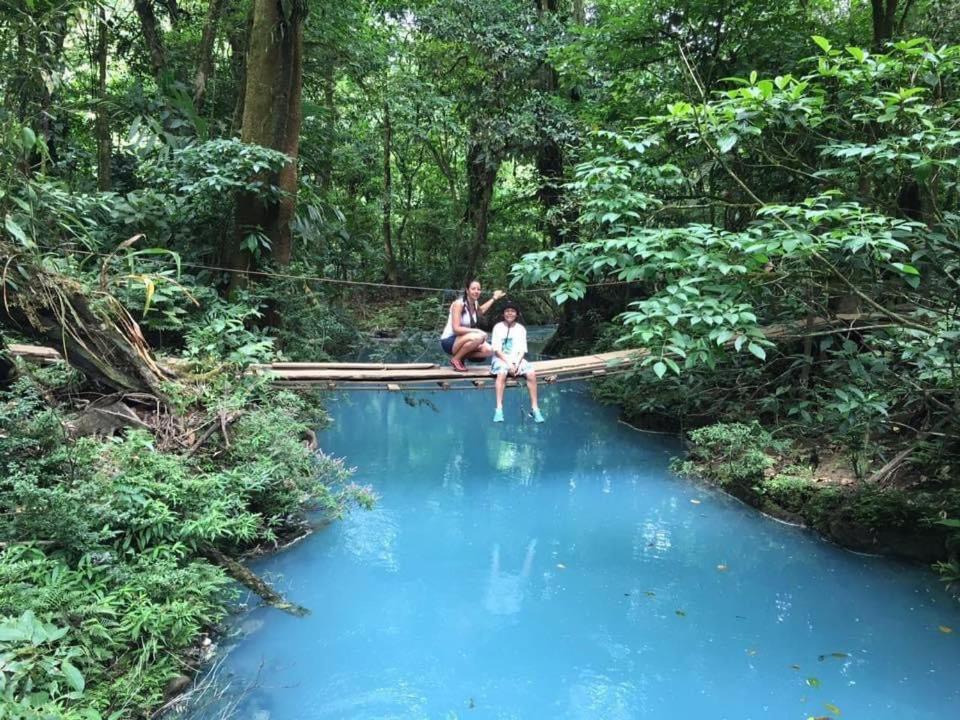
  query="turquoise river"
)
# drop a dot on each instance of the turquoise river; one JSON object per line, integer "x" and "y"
{"x": 561, "y": 571}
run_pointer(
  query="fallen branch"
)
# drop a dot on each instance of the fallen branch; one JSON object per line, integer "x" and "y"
{"x": 244, "y": 576}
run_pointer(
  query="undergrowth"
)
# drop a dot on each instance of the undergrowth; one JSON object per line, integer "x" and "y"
{"x": 104, "y": 585}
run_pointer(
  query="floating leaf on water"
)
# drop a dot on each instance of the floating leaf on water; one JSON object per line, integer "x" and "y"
{"x": 813, "y": 682}
{"x": 649, "y": 593}
{"x": 751, "y": 652}
{"x": 795, "y": 667}
{"x": 832, "y": 708}
{"x": 681, "y": 613}
{"x": 946, "y": 629}
{"x": 721, "y": 567}
{"x": 561, "y": 566}
{"x": 695, "y": 501}
{"x": 840, "y": 655}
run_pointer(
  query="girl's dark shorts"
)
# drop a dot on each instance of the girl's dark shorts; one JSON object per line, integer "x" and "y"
{"x": 447, "y": 344}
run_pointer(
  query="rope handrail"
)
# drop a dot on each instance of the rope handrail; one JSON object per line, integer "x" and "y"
{"x": 332, "y": 281}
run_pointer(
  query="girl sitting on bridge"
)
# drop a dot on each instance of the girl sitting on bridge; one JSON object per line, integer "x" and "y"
{"x": 509, "y": 346}
{"x": 461, "y": 338}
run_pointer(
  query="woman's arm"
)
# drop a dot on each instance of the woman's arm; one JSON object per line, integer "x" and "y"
{"x": 497, "y": 294}
{"x": 457, "y": 314}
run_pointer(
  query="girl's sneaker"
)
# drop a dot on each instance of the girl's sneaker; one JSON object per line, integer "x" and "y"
{"x": 498, "y": 415}
{"x": 458, "y": 365}
{"x": 537, "y": 417}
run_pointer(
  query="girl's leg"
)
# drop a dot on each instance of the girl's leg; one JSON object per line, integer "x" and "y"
{"x": 500, "y": 385}
{"x": 532, "y": 388}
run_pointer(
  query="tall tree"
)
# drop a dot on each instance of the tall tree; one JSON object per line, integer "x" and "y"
{"x": 205, "y": 61}
{"x": 271, "y": 118}
{"x": 102, "y": 119}
{"x": 152, "y": 35}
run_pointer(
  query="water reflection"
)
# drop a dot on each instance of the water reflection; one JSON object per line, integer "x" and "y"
{"x": 505, "y": 590}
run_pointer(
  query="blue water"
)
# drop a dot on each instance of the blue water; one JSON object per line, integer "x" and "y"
{"x": 560, "y": 571}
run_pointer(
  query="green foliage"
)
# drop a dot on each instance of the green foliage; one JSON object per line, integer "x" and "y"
{"x": 103, "y": 583}
{"x": 730, "y": 453}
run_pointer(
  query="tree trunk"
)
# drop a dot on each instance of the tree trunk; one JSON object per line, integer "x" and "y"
{"x": 388, "y": 196}
{"x": 205, "y": 64}
{"x": 325, "y": 174}
{"x": 884, "y": 14}
{"x": 102, "y": 121}
{"x": 482, "y": 168}
{"x": 238, "y": 37}
{"x": 151, "y": 35}
{"x": 271, "y": 118}
{"x": 579, "y": 12}
{"x": 549, "y": 153}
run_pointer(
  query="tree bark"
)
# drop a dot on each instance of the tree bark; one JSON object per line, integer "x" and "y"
{"x": 102, "y": 121}
{"x": 238, "y": 37}
{"x": 482, "y": 168}
{"x": 549, "y": 154}
{"x": 884, "y": 14}
{"x": 152, "y": 36}
{"x": 205, "y": 63}
{"x": 325, "y": 175}
{"x": 388, "y": 196}
{"x": 271, "y": 118}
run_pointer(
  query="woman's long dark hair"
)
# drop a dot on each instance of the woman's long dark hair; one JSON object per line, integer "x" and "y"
{"x": 473, "y": 310}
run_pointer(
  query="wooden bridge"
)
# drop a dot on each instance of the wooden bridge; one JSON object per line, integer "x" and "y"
{"x": 397, "y": 376}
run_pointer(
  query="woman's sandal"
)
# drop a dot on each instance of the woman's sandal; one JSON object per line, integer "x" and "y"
{"x": 458, "y": 365}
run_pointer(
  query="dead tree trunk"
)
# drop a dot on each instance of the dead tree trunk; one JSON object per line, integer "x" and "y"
{"x": 92, "y": 330}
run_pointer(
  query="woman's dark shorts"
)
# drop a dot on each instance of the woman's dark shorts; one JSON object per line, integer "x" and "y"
{"x": 447, "y": 344}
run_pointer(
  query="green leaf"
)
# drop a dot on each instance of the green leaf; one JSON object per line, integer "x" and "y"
{"x": 72, "y": 675}
{"x": 727, "y": 142}
{"x": 757, "y": 350}
{"x": 857, "y": 53}
{"x": 27, "y": 138}
{"x": 17, "y": 232}
{"x": 660, "y": 369}
{"x": 813, "y": 682}
{"x": 823, "y": 43}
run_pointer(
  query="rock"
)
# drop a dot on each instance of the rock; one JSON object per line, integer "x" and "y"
{"x": 176, "y": 686}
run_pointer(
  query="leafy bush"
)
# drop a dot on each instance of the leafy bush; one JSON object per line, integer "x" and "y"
{"x": 730, "y": 452}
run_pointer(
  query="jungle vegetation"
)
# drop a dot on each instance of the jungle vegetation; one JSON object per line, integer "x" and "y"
{"x": 763, "y": 195}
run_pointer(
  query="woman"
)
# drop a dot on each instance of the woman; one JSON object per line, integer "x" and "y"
{"x": 461, "y": 338}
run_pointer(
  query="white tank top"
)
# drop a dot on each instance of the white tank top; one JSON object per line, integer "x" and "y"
{"x": 465, "y": 319}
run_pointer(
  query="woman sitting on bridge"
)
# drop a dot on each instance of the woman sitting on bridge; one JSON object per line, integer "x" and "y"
{"x": 461, "y": 337}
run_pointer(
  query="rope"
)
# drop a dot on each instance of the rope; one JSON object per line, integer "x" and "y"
{"x": 336, "y": 281}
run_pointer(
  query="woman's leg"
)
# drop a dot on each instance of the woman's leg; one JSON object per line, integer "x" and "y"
{"x": 482, "y": 352}
{"x": 464, "y": 345}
